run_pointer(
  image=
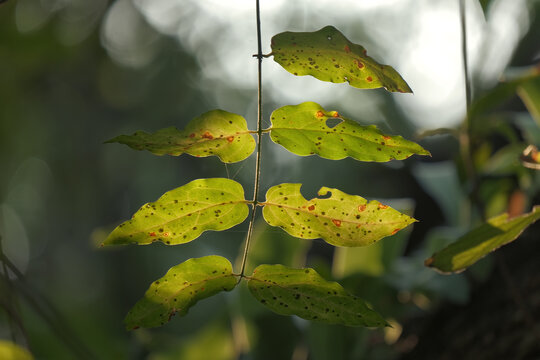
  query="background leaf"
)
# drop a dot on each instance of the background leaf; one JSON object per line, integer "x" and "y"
{"x": 303, "y": 130}
{"x": 216, "y": 132}
{"x": 476, "y": 244}
{"x": 328, "y": 55}
{"x": 529, "y": 92}
{"x": 341, "y": 219}
{"x": 181, "y": 288}
{"x": 303, "y": 292}
{"x": 182, "y": 214}
{"x": 11, "y": 351}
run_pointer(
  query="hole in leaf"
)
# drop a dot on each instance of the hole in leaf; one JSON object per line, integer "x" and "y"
{"x": 333, "y": 122}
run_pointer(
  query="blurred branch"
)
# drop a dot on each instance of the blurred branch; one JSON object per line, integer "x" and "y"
{"x": 9, "y": 303}
{"x": 48, "y": 312}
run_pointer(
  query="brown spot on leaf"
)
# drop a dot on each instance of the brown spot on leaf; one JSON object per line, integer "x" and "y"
{"x": 386, "y": 137}
{"x": 311, "y": 207}
{"x": 359, "y": 64}
{"x": 336, "y": 222}
{"x": 347, "y": 49}
{"x": 192, "y": 135}
{"x": 207, "y": 135}
{"x": 381, "y": 206}
{"x": 369, "y": 79}
{"x": 230, "y": 139}
{"x": 395, "y": 231}
{"x": 319, "y": 114}
{"x": 152, "y": 234}
{"x": 362, "y": 207}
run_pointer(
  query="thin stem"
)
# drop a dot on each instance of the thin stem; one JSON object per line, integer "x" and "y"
{"x": 48, "y": 313}
{"x": 260, "y": 57}
{"x": 463, "y": 21}
{"x": 465, "y": 133}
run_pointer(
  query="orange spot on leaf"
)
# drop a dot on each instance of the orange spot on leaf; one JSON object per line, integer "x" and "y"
{"x": 347, "y": 49}
{"x": 152, "y": 234}
{"x": 381, "y": 206}
{"x": 207, "y": 135}
{"x": 386, "y": 137}
{"x": 230, "y": 139}
{"x": 311, "y": 208}
{"x": 362, "y": 207}
{"x": 359, "y": 64}
{"x": 319, "y": 114}
{"x": 395, "y": 231}
{"x": 166, "y": 234}
{"x": 192, "y": 135}
{"x": 336, "y": 222}
{"x": 336, "y": 114}
{"x": 369, "y": 79}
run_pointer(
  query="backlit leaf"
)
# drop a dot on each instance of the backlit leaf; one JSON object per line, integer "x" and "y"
{"x": 341, "y": 219}
{"x": 182, "y": 214}
{"x": 304, "y": 130}
{"x": 476, "y": 244}
{"x": 216, "y": 132}
{"x": 328, "y": 55}
{"x": 181, "y": 288}
{"x": 303, "y": 292}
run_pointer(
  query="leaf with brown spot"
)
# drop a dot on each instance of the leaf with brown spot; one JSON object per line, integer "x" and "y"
{"x": 340, "y": 220}
{"x": 328, "y": 55}
{"x": 183, "y": 214}
{"x": 180, "y": 289}
{"x": 216, "y": 132}
{"x": 304, "y": 130}
{"x": 303, "y": 292}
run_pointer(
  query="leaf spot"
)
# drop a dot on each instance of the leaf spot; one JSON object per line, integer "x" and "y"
{"x": 336, "y": 222}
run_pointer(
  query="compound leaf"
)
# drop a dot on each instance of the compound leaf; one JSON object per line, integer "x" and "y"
{"x": 303, "y": 292}
{"x": 216, "y": 132}
{"x": 182, "y": 214}
{"x": 328, "y": 55}
{"x": 476, "y": 244}
{"x": 305, "y": 129}
{"x": 181, "y": 288}
{"x": 340, "y": 220}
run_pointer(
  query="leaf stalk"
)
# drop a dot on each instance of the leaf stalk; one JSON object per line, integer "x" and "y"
{"x": 259, "y": 57}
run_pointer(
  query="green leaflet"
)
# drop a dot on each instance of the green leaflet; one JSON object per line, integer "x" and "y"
{"x": 181, "y": 288}
{"x": 182, "y": 214}
{"x": 302, "y": 129}
{"x": 303, "y": 292}
{"x": 476, "y": 244}
{"x": 328, "y": 55}
{"x": 216, "y": 132}
{"x": 341, "y": 219}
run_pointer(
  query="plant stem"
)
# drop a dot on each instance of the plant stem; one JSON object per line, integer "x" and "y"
{"x": 260, "y": 57}
{"x": 465, "y": 133}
